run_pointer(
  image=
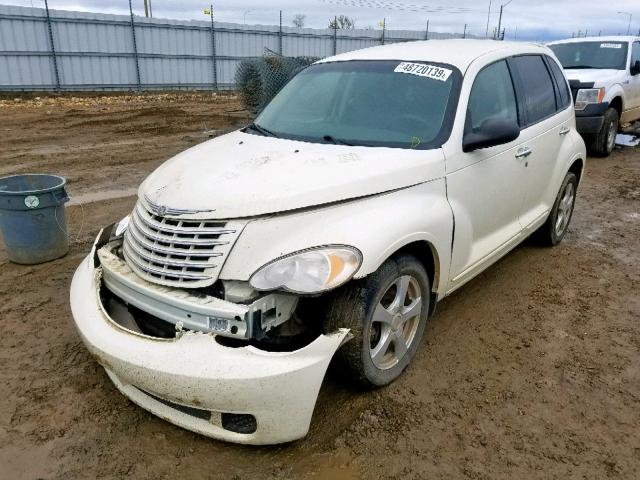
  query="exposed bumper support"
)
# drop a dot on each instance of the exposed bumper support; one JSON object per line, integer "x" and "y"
{"x": 278, "y": 388}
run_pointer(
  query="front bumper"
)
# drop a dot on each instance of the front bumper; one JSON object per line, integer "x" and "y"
{"x": 591, "y": 119}
{"x": 184, "y": 379}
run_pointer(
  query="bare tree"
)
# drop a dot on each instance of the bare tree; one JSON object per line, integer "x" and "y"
{"x": 342, "y": 22}
{"x": 298, "y": 20}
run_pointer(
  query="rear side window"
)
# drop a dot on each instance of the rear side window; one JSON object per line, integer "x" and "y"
{"x": 539, "y": 99}
{"x": 492, "y": 96}
{"x": 561, "y": 82}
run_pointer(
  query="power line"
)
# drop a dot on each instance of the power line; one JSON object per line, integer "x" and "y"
{"x": 399, "y": 6}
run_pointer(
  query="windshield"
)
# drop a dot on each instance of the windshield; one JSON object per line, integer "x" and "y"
{"x": 365, "y": 102}
{"x": 611, "y": 55}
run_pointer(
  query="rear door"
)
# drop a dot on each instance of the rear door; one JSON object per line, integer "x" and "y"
{"x": 484, "y": 187}
{"x": 547, "y": 116}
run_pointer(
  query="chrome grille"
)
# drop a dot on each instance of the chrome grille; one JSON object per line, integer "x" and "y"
{"x": 175, "y": 251}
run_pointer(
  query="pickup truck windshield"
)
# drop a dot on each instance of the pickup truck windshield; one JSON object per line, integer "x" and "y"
{"x": 365, "y": 102}
{"x": 609, "y": 55}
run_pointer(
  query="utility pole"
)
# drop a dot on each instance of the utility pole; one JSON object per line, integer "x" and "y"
{"x": 500, "y": 18}
{"x": 464, "y": 32}
{"x": 488, "y": 16}
{"x": 426, "y": 34}
{"x": 146, "y": 9}
{"x": 630, "y": 17}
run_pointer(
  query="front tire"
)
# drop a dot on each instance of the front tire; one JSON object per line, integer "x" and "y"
{"x": 602, "y": 143}
{"x": 386, "y": 313}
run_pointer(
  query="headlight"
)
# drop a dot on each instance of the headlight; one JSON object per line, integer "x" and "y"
{"x": 589, "y": 95}
{"x": 121, "y": 226}
{"x": 309, "y": 271}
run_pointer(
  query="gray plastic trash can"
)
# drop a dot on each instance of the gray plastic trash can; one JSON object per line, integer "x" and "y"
{"x": 32, "y": 217}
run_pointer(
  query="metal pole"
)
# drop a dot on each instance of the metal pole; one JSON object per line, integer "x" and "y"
{"x": 335, "y": 35}
{"x": 426, "y": 35}
{"x": 384, "y": 26}
{"x": 53, "y": 47}
{"x": 488, "y": 16}
{"x": 280, "y": 35}
{"x": 135, "y": 47}
{"x": 150, "y": 9}
{"x": 500, "y": 19}
{"x": 213, "y": 51}
{"x": 146, "y": 9}
{"x": 464, "y": 33}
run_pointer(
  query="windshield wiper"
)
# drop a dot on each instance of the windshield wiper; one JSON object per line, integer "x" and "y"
{"x": 261, "y": 130}
{"x": 336, "y": 141}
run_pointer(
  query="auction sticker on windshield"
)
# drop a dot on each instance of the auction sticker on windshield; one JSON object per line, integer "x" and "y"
{"x": 424, "y": 70}
{"x": 610, "y": 45}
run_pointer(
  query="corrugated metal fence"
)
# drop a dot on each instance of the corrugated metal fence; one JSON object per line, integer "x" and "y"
{"x": 65, "y": 50}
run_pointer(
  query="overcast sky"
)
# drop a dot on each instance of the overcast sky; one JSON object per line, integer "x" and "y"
{"x": 523, "y": 19}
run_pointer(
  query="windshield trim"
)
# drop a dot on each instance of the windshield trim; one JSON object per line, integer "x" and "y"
{"x": 624, "y": 43}
{"x": 440, "y": 139}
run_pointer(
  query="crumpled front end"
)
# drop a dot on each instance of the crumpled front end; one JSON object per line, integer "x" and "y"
{"x": 230, "y": 391}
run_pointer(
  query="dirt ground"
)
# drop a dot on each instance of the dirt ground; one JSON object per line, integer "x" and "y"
{"x": 530, "y": 371}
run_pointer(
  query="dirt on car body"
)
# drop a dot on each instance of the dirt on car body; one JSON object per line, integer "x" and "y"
{"x": 529, "y": 371}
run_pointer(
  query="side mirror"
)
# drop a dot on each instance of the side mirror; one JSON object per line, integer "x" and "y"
{"x": 635, "y": 68}
{"x": 492, "y": 132}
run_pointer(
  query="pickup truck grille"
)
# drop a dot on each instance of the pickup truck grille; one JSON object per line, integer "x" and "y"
{"x": 177, "y": 252}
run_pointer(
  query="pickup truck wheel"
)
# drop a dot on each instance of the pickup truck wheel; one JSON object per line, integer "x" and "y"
{"x": 603, "y": 142}
{"x": 386, "y": 313}
{"x": 554, "y": 229}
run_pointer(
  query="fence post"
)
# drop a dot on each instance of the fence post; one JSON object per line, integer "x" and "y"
{"x": 384, "y": 26}
{"x": 335, "y": 35}
{"x": 280, "y": 35}
{"x": 426, "y": 35}
{"x": 53, "y": 47}
{"x": 135, "y": 46}
{"x": 213, "y": 51}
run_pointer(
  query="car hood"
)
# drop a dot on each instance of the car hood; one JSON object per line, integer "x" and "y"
{"x": 243, "y": 175}
{"x": 601, "y": 77}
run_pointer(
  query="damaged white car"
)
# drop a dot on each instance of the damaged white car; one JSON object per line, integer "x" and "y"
{"x": 374, "y": 184}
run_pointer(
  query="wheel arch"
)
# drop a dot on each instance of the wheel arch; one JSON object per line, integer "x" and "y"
{"x": 617, "y": 105}
{"x": 577, "y": 168}
{"x": 427, "y": 255}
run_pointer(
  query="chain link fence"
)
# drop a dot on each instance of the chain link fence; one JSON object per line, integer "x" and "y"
{"x": 258, "y": 80}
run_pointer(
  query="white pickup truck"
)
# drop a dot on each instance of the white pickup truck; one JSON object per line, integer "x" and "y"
{"x": 373, "y": 185}
{"x": 604, "y": 75}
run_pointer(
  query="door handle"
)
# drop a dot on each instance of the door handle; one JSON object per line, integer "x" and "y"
{"x": 523, "y": 152}
{"x": 564, "y": 131}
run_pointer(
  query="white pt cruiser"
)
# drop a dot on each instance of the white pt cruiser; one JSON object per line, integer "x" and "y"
{"x": 373, "y": 185}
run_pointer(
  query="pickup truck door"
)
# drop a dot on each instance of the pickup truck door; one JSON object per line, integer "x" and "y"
{"x": 485, "y": 187}
{"x": 632, "y": 88}
{"x": 543, "y": 92}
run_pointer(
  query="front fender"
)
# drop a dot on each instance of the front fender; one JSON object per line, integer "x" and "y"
{"x": 378, "y": 226}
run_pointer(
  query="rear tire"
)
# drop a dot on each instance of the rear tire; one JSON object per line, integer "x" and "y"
{"x": 602, "y": 143}
{"x": 386, "y": 313}
{"x": 554, "y": 229}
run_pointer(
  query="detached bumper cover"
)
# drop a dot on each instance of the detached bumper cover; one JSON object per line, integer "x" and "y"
{"x": 194, "y": 371}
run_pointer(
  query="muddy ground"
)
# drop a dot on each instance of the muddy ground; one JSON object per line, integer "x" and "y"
{"x": 530, "y": 371}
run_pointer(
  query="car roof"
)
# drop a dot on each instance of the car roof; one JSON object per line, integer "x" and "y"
{"x": 457, "y": 52}
{"x": 609, "y": 38}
